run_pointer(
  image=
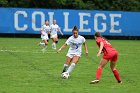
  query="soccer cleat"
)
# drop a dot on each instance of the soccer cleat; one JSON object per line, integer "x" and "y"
{"x": 120, "y": 82}
{"x": 94, "y": 82}
{"x": 53, "y": 47}
{"x": 41, "y": 43}
{"x": 63, "y": 71}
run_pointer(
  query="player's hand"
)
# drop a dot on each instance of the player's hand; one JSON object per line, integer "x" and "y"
{"x": 43, "y": 34}
{"x": 98, "y": 54}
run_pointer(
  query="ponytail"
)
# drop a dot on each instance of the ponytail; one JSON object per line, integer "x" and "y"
{"x": 97, "y": 34}
{"x": 75, "y": 28}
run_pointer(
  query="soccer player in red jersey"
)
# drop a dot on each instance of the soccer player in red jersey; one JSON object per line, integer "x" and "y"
{"x": 110, "y": 54}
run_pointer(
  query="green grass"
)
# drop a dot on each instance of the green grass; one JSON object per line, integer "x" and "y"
{"x": 25, "y": 69}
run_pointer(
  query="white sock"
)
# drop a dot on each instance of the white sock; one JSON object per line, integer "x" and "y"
{"x": 71, "y": 68}
{"x": 54, "y": 45}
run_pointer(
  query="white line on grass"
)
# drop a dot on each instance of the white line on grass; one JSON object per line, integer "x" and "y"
{"x": 47, "y": 51}
{"x": 17, "y": 51}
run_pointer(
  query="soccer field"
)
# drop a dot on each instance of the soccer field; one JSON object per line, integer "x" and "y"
{"x": 25, "y": 69}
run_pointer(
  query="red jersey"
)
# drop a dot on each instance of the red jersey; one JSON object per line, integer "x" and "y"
{"x": 107, "y": 48}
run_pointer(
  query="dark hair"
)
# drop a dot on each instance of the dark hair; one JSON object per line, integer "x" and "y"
{"x": 46, "y": 20}
{"x": 75, "y": 28}
{"x": 97, "y": 34}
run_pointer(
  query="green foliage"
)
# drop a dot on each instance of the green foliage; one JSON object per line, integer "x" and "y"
{"x": 3, "y": 2}
{"x": 121, "y": 5}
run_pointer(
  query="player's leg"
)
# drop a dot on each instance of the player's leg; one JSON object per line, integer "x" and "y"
{"x": 103, "y": 62}
{"x": 113, "y": 68}
{"x": 45, "y": 40}
{"x": 53, "y": 44}
{"x": 74, "y": 62}
{"x": 42, "y": 43}
{"x": 115, "y": 71}
{"x": 46, "y": 43}
{"x": 56, "y": 40}
{"x": 68, "y": 60}
{"x": 45, "y": 46}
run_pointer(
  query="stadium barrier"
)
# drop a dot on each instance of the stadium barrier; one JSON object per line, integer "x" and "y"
{"x": 109, "y": 23}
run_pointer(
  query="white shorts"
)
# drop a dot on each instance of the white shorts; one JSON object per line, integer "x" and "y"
{"x": 54, "y": 36}
{"x": 72, "y": 55}
{"x": 44, "y": 37}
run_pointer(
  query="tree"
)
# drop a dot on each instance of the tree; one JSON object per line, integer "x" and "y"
{"x": 121, "y": 5}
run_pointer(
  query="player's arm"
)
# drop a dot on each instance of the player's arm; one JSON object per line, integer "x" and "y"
{"x": 86, "y": 48}
{"x": 42, "y": 32}
{"x": 60, "y": 31}
{"x": 62, "y": 47}
{"x": 100, "y": 50}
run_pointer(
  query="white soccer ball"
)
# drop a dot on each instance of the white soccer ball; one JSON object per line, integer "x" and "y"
{"x": 65, "y": 75}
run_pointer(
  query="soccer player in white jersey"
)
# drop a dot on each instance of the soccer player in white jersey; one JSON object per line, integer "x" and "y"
{"x": 45, "y": 30}
{"x": 74, "y": 53}
{"x": 54, "y": 29}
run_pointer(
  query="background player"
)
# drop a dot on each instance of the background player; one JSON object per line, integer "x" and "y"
{"x": 110, "y": 54}
{"x": 74, "y": 53}
{"x": 45, "y": 30}
{"x": 54, "y": 29}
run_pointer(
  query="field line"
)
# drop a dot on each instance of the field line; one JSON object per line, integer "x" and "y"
{"x": 18, "y": 51}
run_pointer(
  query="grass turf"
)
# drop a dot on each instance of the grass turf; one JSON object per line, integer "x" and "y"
{"x": 25, "y": 69}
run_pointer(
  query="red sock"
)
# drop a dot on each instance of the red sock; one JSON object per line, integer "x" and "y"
{"x": 117, "y": 76}
{"x": 98, "y": 73}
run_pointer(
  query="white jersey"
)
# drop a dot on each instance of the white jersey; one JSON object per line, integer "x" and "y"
{"x": 45, "y": 30}
{"x": 54, "y": 29}
{"x": 75, "y": 44}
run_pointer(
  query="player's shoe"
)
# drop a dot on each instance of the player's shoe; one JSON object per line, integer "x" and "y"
{"x": 52, "y": 46}
{"x": 63, "y": 71}
{"x": 41, "y": 43}
{"x": 94, "y": 82}
{"x": 120, "y": 82}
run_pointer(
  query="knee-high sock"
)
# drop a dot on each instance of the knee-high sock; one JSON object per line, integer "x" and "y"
{"x": 116, "y": 74}
{"x": 54, "y": 45}
{"x": 71, "y": 67}
{"x": 98, "y": 73}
